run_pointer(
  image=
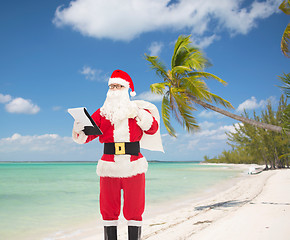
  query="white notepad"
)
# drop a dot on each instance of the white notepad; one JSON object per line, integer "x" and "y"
{"x": 81, "y": 115}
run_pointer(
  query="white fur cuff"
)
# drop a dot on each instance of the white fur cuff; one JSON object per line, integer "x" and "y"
{"x": 144, "y": 120}
{"x": 109, "y": 223}
{"x": 80, "y": 137}
{"x": 135, "y": 223}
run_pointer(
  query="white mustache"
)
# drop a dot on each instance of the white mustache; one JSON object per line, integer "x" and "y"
{"x": 115, "y": 93}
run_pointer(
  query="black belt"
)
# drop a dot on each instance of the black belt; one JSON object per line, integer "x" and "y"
{"x": 121, "y": 148}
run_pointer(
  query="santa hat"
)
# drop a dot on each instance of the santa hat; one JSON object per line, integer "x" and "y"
{"x": 122, "y": 78}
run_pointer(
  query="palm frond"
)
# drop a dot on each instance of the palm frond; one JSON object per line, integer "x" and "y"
{"x": 165, "y": 113}
{"x": 180, "y": 70}
{"x": 207, "y": 76}
{"x": 158, "y": 88}
{"x": 285, "y": 7}
{"x": 174, "y": 107}
{"x": 196, "y": 60}
{"x": 285, "y": 41}
{"x": 196, "y": 88}
{"x": 185, "y": 54}
{"x": 285, "y": 78}
{"x": 179, "y": 53}
{"x": 220, "y": 100}
{"x": 157, "y": 65}
{"x": 185, "y": 109}
{"x": 184, "y": 84}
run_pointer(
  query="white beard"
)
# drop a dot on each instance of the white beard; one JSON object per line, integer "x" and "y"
{"x": 117, "y": 106}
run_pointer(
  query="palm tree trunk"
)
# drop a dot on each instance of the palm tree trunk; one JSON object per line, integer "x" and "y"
{"x": 237, "y": 117}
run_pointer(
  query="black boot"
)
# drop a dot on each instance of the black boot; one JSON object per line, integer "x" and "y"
{"x": 110, "y": 232}
{"x": 134, "y": 233}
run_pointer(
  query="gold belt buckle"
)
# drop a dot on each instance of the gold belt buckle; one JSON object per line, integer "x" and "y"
{"x": 119, "y": 148}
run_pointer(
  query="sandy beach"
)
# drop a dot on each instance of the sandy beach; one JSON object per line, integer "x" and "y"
{"x": 255, "y": 207}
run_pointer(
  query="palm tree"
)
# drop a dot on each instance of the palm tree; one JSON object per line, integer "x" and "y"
{"x": 183, "y": 87}
{"x": 285, "y": 7}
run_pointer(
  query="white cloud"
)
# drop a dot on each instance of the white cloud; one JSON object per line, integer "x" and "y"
{"x": 93, "y": 74}
{"x": 209, "y": 140}
{"x": 206, "y": 125}
{"x": 149, "y": 96}
{"x": 155, "y": 48}
{"x": 127, "y": 19}
{"x": 18, "y": 142}
{"x": 210, "y": 114}
{"x": 220, "y": 133}
{"x": 46, "y": 147}
{"x": 49, "y": 147}
{"x": 210, "y": 136}
{"x": 56, "y": 108}
{"x": 5, "y": 98}
{"x": 252, "y": 103}
{"x": 36, "y": 143}
{"x": 203, "y": 41}
{"x": 18, "y": 105}
{"x": 89, "y": 72}
{"x": 249, "y": 104}
{"x": 21, "y": 105}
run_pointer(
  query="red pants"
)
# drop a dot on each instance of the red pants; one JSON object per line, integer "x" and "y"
{"x": 134, "y": 198}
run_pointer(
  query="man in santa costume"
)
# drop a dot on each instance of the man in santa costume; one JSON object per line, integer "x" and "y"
{"x": 126, "y": 126}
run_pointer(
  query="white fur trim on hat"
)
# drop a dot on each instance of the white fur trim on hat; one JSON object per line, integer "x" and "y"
{"x": 133, "y": 94}
{"x": 118, "y": 81}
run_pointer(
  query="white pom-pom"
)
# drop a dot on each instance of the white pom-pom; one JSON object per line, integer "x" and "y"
{"x": 133, "y": 94}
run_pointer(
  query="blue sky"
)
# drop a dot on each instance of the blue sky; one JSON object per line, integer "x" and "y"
{"x": 59, "y": 54}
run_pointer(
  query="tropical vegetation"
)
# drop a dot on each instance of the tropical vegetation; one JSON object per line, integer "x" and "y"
{"x": 256, "y": 145}
{"x": 184, "y": 86}
{"x": 285, "y": 79}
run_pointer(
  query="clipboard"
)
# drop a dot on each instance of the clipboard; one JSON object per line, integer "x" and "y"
{"x": 81, "y": 115}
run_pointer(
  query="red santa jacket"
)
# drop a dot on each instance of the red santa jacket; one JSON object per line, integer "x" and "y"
{"x": 127, "y": 130}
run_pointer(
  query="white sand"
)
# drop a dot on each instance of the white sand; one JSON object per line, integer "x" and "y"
{"x": 256, "y": 207}
{"x": 266, "y": 216}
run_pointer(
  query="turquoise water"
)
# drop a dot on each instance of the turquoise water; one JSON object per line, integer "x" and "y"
{"x": 41, "y": 198}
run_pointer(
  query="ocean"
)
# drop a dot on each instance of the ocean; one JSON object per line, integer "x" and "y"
{"x": 41, "y": 199}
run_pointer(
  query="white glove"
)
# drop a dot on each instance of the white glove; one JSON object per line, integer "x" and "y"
{"x": 144, "y": 119}
{"x": 134, "y": 111}
{"x": 77, "y": 134}
{"x": 78, "y": 127}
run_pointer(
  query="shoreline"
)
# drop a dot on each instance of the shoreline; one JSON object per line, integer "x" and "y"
{"x": 214, "y": 217}
{"x": 199, "y": 219}
{"x": 193, "y": 197}
{"x": 154, "y": 213}
{"x": 77, "y": 222}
